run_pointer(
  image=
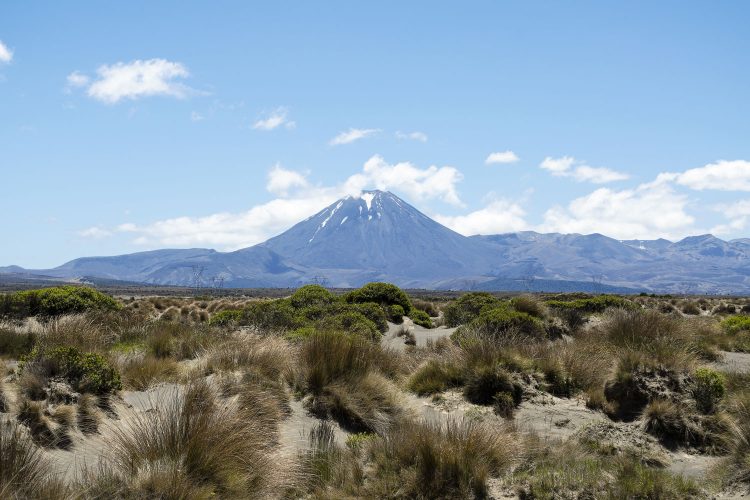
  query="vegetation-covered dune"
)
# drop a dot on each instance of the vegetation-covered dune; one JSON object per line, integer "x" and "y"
{"x": 373, "y": 394}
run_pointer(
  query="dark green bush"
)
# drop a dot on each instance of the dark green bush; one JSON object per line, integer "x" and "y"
{"x": 486, "y": 382}
{"x": 396, "y": 314}
{"x": 226, "y": 318}
{"x": 351, "y": 322}
{"x": 501, "y": 320}
{"x": 85, "y": 371}
{"x": 592, "y": 305}
{"x": 420, "y": 318}
{"x": 271, "y": 315}
{"x": 709, "y": 387}
{"x": 384, "y": 294}
{"x": 311, "y": 295}
{"x": 55, "y": 301}
{"x": 467, "y": 307}
{"x": 374, "y": 313}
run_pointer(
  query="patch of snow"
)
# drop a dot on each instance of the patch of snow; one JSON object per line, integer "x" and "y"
{"x": 369, "y": 217}
{"x": 368, "y": 197}
{"x": 344, "y": 220}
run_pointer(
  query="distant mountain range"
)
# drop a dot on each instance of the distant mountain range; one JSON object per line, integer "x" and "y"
{"x": 379, "y": 237}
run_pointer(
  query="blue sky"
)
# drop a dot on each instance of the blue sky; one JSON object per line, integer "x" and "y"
{"x": 214, "y": 124}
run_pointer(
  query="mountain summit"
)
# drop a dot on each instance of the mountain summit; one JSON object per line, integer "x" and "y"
{"x": 377, "y": 236}
{"x": 378, "y": 232}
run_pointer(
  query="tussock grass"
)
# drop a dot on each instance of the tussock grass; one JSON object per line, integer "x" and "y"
{"x": 195, "y": 443}
{"x": 24, "y": 472}
{"x": 140, "y": 373}
{"x": 88, "y": 418}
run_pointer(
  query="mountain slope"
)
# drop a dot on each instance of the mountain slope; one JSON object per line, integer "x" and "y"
{"x": 379, "y": 232}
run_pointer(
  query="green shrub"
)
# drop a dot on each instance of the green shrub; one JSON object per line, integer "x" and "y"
{"x": 311, "y": 295}
{"x": 351, "y": 322}
{"x": 420, "y": 318}
{"x": 467, "y": 307}
{"x": 592, "y": 305}
{"x": 501, "y": 320}
{"x": 709, "y": 387}
{"x": 384, "y": 294}
{"x": 735, "y": 324}
{"x": 55, "y": 301}
{"x": 86, "y": 372}
{"x": 486, "y": 382}
{"x": 374, "y": 313}
{"x": 270, "y": 315}
{"x": 226, "y": 318}
{"x": 396, "y": 314}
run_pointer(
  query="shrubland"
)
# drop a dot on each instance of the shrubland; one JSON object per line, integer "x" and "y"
{"x": 188, "y": 397}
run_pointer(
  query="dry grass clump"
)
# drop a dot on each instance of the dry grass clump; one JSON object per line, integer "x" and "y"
{"x": 414, "y": 459}
{"x": 573, "y": 470}
{"x": 142, "y": 372}
{"x": 88, "y": 418}
{"x": 31, "y": 414}
{"x": 431, "y": 460}
{"x": 737, "y": 466}
{"x": 24, "y": 472}
{"x": 341, "y": 375}
{"x": 193, "y": 447}
{"x": 530, "y": 305}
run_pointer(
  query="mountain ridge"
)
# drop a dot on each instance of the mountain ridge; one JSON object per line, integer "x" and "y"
{"x": 377, "y": 236}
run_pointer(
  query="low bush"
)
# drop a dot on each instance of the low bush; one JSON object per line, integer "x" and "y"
{"x": 384, "y": 294}
{"x": 596, "y": 304}
{"x": 351, "y": 322}
{"x": 311, "y": 295}
{"x": 468, "y": 307}
{"x": 55, "y": 301}
{"x": 420, "y": 318}
{"x": 395, "y": 313}
{"x": 736, "y": 324}
{"x": 270, "y": 316}
{"x": 228, "y": 317}
{"x": 709, "y": 387}
{"x": 501, "y": 321}
{"x": 86, "y": 372}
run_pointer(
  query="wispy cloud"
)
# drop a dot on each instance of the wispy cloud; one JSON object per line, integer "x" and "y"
{"x": 353, "y": 134}
{"x": 6, "y": 55}
{"x": 502, "y": 157}
{"x": 134, "y": 80}
{"x": 274, "y": 120}
{"x": 95, "y": 233}
{"x": 412, "y": 136}
{"x": 567, "y": 166}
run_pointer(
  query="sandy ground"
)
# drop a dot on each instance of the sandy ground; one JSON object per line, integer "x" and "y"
{"x": 734, "y": 362}
{"x": 422, "y": 335}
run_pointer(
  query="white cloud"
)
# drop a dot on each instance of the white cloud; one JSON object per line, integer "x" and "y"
{"x": 138, "y": 79}
{"x": 77, "y": 79}
{"x": 353, "y": 134}
{"x": 296, "y": 200}
{"x": 432, "y": 182}
{"x": 722, "y": 176}
{"x": 413, "y": 136}
{"x": 499, "y": 216}
{"x": 94, "y": 232}
{"x": 502, "y": 157}
{"x": 652, "y": 210}
{"x": 281, "y": 180}
{"x": 557, "y": 165}
{"x": 563, "y": 167}
{"x": 196, "y": 117}
{"x": 6, "y": 55}
{"x": 597, "y": 175}
{"x": 274, "y": 120}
